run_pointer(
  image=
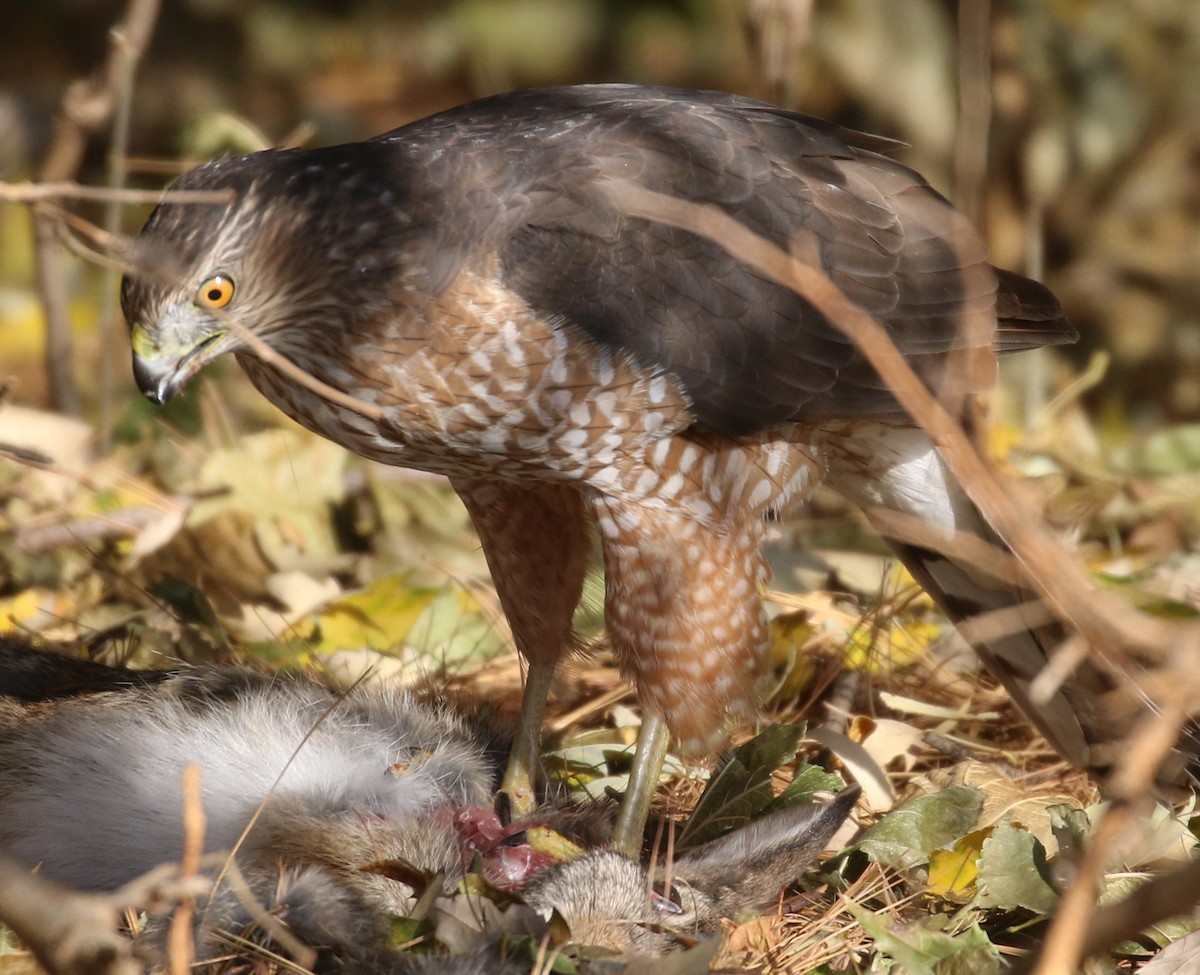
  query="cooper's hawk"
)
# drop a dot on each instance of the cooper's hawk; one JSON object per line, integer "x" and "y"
{"x": 475, "y": 277}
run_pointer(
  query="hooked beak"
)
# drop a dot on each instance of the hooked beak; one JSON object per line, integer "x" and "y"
{"x": 160, "y": 379}
{"x": 161, "y": 375}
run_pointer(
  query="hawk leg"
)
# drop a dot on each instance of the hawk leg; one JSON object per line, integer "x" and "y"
{"x": 537, "y": 544}
{"x": 687, "y": 626}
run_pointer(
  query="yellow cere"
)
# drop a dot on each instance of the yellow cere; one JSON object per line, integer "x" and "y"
{"x": 144, "y": 347}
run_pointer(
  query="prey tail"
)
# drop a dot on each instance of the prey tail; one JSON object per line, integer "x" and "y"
{"x": 31, "y": 674}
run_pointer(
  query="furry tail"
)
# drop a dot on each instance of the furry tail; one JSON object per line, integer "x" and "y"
{"x": 30, "y": 674}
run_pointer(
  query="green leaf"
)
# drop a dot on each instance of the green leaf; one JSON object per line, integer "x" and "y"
{"x": 1178, "y": 958}
{"x": 904, "y": 839}
{"x": 525, "y": 950}
{"x": 808, "y": 780}
{"x": 379, "y": 616}
{"x": 1173, "y": 450}
{"x": 409, "y": 930}
{"x": 741, "y": 784}
{"x": 1121, "y": 886}
{"x": 1071, "y": 828}
{"x": 917, "y": 950}
{"x": 454, "y": 631}
{"x": 1013, "y": 872}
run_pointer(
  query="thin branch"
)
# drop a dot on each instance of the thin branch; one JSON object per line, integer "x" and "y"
{"x": 1074, "y": 933}
{"x": 26, "y": 192}
{"x": 120, "y": 246}
{"x": 122, "y": 523}
{"x": 974, "y": 107}
{"x": 129, "y": 41}
{"x": 181, "y": 946}
{"x": 1108, "y": 624}
{"x": 1169, "y": 895}
{"x": 69, "y": 933}
{"x": 86, "y": 108}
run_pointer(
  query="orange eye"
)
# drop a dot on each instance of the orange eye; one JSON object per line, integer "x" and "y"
{"x": 215, "y": 293}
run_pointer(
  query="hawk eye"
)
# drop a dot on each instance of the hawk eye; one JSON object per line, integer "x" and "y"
{"x": 215, "y": 293}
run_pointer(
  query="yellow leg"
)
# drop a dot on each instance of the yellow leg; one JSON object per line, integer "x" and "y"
{"x": 537, "y": 544}
{"x": 520, "y": 777}
{"x": 648, "y": 760}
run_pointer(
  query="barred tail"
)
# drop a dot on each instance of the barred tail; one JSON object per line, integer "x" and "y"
{"x": 913, "y": 500}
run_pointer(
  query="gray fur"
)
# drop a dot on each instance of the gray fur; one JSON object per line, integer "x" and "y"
{"x": 105, "y": 769}
{"x": 90, "y": 793}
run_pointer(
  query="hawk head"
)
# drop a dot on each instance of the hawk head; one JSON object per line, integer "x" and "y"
{"x": 291, "y": 241}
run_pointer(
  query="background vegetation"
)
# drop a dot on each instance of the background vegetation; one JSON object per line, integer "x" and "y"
{"x": 1068, "y": 129}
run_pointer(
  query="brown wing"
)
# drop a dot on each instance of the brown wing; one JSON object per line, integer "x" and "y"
{"x": 531, "y": 177}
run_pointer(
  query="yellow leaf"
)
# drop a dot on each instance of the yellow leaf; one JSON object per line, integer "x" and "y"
{"x": 953, "y": 872}
{"x": 884, "y": 649}
{"x": 34, "y": 609}
{"x": 545, "y": 840}
{"x": 793, "y": 668}
{"x": 378, "y": 617}
{"x": 1002, "y": 438}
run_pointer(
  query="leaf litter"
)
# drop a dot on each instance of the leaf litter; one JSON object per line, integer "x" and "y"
{"x": 276, "y": 547}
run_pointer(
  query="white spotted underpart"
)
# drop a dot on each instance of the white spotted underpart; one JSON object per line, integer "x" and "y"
{"x": 478, "y": 388}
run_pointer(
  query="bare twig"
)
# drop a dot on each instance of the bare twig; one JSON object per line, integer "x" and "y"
{"x": 974, "y": 106}
{"x": 301, "y": 954}
{"x": 1067, "y": 943}
{"x": 1117, "y": 632}
{"x": 93, "y": 528}
{"x": 75, "y": 933}
{"x": 87, "y": 106}
{"x": 231, "y": 875}
{"x": 69, "y": 933}
{"x": 120, "y": 246}
{"x": 589, "y": 707}
{"x": 181, "y": 947}
{"x": 129, "y": 42}
{"x": 1173, "y": 894}
{"x": 277, "y": 361}
{"x": 779, "y": 30}
{"x": 69, "y": 190}
{"x": 1108, "y": 624}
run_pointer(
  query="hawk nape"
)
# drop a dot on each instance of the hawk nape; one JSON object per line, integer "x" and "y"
{"x": 474, "y": 277}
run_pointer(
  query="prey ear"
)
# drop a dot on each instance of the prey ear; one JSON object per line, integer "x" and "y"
{"x": 745, "y": 870}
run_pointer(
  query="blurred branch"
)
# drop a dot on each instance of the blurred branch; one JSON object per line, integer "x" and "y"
{"x": 1080, "y": 929}
{"x": 1115, "y": 630}
{"x": 119, "y": 245}
{"x": 1173, "y": 894}
{"x": 779, "y": 30}
{"x": 129, "y": 42}
{"x": 181, "y": 948}
{"x": 974, "y": 107}
{"x": 67, "y": 190}
{"x": 1110, "y": 625}
{"x": 69, "y": 933}
{"x": 87, "y": 106}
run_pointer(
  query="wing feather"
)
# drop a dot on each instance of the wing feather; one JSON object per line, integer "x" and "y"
{"x": 529, "y": 185}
